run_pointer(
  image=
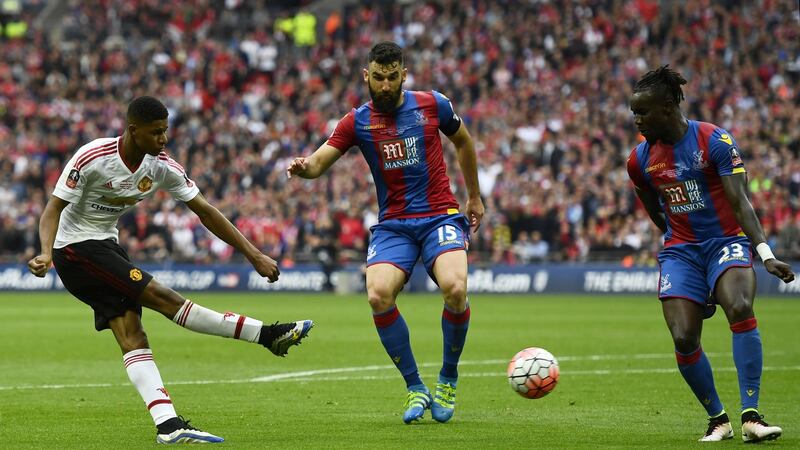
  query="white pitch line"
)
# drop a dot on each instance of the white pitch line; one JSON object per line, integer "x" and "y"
{"x": 307, "y": 375}
{"x": 567, "y": 373}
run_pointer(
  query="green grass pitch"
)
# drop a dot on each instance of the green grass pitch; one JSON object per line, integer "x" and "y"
{"x": 63, "y": 385}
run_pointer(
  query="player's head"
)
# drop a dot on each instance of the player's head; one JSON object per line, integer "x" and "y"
{"x": 385, "y": 75}
{"x": 147, "y": 124}
{"x": 655, "y": 102}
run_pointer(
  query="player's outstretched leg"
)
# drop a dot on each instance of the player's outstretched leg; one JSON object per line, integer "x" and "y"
{"x": 277, "y": 337}
{"x": 754, "y": 429}
{"x": 177, "y": 430}
{"x": 719, "y": 429}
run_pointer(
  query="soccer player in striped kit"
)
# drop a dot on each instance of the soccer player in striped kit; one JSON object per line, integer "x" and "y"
{"x": 103, "y": 180}
{"x": 398, "y": 135}
{"x": 690, "y": 178}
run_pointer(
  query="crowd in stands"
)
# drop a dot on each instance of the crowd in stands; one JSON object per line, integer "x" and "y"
{"x": 542, "y": 85}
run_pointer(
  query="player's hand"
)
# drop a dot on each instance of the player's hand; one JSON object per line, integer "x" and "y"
{"x": 780, "y": 269}
{"x": 266, "y": 267}
{"x": 298, "y": 165}
{"x": 39, "y": 265}
{"x": 475, "y": 213}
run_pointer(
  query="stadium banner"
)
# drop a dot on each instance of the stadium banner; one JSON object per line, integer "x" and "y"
{"x": 498, "y": 279}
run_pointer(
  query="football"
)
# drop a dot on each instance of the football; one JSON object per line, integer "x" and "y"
{"x": 533, "y": 372}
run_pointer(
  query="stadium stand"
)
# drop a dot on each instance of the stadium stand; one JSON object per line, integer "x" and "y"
{"x": 543, "y": 86}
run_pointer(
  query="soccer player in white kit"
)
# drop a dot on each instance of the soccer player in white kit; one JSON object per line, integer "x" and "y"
{"x": 103, "y": 180}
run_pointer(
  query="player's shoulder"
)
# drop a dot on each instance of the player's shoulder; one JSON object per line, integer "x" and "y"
{"x": 94, "y": 151}
{"x": 353, "y": 111}
{"x": 637, "y": 151}
{"x": 166, "y": 162}
{"x": 432, "y": 95}
{"x": 713, "y": 133}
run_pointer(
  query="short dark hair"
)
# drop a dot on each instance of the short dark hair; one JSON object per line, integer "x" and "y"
{"x": 663, "y": 80}
{"x": 146, "y": 109}
{"x": 385, "y": 52}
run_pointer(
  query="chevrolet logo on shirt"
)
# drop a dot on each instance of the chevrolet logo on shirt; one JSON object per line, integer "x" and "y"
{"x": 120, "y": 201}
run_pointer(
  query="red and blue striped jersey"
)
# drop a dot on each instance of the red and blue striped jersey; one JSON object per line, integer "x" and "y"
{"x": 687, "y": 178}
{"x": 404, "y": 152}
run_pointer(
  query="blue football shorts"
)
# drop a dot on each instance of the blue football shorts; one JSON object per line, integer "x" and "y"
{"x": 400, "y": 242}
{"x": 691, "y": 271}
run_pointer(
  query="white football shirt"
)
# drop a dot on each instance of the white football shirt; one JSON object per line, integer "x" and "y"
{"x": 100, "y": 188}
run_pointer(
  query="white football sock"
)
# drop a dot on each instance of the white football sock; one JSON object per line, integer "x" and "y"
{"x": 144, "y": 374}
{"x": 204, "y": 320}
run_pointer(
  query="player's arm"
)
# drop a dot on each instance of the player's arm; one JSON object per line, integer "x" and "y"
{"x": 48, "y": 226}
{"x": 650, "y": 201}
{"x": 465, "y": 152}
{"x": 315, "y": 165}
{"x": 218, "y": 224}
{"x": 735, "y": 187}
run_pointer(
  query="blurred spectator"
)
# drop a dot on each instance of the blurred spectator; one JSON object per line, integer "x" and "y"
{"x": 532, "y": 249}
{"x": 788, "y": 240}
{"x": 547, "y": 106}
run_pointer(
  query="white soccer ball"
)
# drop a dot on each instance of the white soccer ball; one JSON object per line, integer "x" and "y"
{"x": 533, "y": 372}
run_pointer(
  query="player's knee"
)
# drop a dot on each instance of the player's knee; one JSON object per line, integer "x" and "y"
{"x": 134, "y": 340}
{"x": 740, "y": 310}
{"x": 685, "y": 341}
{"x": 160, "y": 298}
{"x": 379, "y": 299}
{"x": 454, "y": 291}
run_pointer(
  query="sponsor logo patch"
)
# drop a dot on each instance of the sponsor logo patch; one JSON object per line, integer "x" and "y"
{"x": 73, "y": 178}
{"x": 683, "y": 197}
{"x": 136, "y": 275}
{"x": 399, "y": 153}
{"x": 373, "y": 126}
{"x": 736, "y": 158}
{"x": 120, "y": 201}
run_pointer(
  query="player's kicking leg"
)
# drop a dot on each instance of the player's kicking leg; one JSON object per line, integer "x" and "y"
{"x": 277, "y": 337}
{"x": 450, "y": 270}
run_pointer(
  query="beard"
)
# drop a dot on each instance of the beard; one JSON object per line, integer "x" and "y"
{"x": 385, "y": 102}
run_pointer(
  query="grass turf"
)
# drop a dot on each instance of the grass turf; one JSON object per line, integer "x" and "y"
{"x": 62, "y": 385}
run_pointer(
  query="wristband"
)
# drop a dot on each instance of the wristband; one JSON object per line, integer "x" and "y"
{"x": 764, "y": 251}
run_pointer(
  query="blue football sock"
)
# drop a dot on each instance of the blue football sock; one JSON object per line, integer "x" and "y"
{"x": 696, "y": 370}
{"x": 748, "y": 358}
{"x": 393, "y": 332}
{"x": 454, "y": 334}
